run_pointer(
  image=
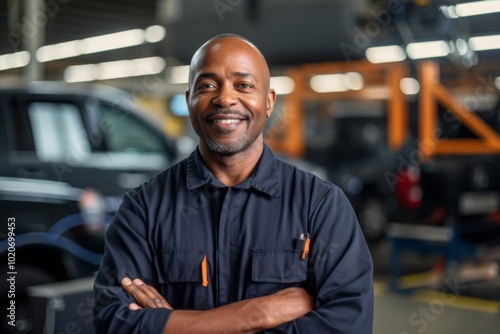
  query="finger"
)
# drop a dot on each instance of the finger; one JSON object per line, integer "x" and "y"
{"x": 157, "y": 299}
{"x": 138, "y": 291}
{"x": 126, "y": 281}
{"x": 145, "y": 295}
{"x": 134, "y": 307}
{"x": 153, "y": 298}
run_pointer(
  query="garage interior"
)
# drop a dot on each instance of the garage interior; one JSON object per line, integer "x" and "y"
{"x": 395, "y": 101}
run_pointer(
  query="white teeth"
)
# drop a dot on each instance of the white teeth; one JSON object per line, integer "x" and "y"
{"x": 226, "y": 121}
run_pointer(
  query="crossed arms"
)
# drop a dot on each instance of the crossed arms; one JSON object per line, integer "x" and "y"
{"x": 339, "y": 278}
{"x": 246, "y": 316}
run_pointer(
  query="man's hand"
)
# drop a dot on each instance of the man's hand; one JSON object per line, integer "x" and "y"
{"x": 145, "y": 296}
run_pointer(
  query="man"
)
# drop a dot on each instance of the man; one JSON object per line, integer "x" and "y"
{"x": 233, "y": 240}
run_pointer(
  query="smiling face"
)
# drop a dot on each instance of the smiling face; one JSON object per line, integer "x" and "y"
{"x": 229, "y": 97}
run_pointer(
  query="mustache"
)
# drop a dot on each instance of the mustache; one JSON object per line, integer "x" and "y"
{"x": 227, "y": 111}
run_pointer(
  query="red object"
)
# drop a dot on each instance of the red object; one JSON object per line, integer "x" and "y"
{"x": 407, "y": 189}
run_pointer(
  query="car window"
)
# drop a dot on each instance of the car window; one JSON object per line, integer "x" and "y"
{"x": 21, "y": 135}
{"x": 124, "y": 133}
{"x": 58, "y": 131}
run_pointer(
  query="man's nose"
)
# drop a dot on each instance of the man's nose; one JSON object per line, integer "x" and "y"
{"x": 225, "y": 98}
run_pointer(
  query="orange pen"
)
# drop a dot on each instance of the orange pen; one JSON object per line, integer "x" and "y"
{"x": 305, "y": 250}
{"x": 204, "y": 274}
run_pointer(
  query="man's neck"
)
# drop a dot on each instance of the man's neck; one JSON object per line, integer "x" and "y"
{"x": 232, "y": 169}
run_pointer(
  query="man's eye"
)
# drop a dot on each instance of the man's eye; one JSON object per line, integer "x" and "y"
{"x": 206, "y": 86}
{"x": 244, "y": 85}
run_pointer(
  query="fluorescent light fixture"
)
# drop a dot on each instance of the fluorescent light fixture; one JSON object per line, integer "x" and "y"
{"x": 449, "y": 12}
{"x": 81, "y": 73}
{"x": 328, "y": 83}
{"x": 282, "y": 85}
{"x": 354, "y": 80}
{"x": 114, "y": 69}
{"x": 428, "y": 49}
{"x": 155, "y": 34}
{"x": 58, "y": 51}
{"x": 113, "y": 41}
{"x": 482, "y": 43}
{"x": 385, "y": 54}
{"x": 409, "y": 86}
{"x": 14, "y": 60}
{"x": 477, "y": 8}
{"x": 325, "y": 83}
{"x": 178, "y": 74}
{"x": 101, "y": 43}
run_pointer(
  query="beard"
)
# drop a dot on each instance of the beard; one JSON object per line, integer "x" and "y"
{"x": 227, "y": 149}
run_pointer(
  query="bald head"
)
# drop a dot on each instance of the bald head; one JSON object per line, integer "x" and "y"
{"x": 231, "y": 43}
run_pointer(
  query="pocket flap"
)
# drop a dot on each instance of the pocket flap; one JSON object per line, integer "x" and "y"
{"x": 180, "y": 265}
{"x": 278, "y": 266}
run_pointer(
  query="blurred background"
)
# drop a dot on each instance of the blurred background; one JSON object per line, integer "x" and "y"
{"x": 395, "y": 101}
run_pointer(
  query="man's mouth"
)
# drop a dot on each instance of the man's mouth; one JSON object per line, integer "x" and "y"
{"x": 226, "y": 121}
{"x": 226, "y": 116}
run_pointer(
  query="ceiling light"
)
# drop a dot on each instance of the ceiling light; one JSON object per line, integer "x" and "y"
{"x": 114, "y": 69}
{"x": 325, "y": 83}
{"x": 477, "y": 8}
{"x": 155, "y": 34}
{"x": 81, "y": 73}
{"x": 409, "y": 86}
{"x": 101, "y": 43}
{"x": 113, "y": 41}
{"x": 178, "y": 74}
{"x": 385, "y": 54}
{"x": 14, "y": 60}
{"x": 449, "y": 12}
{"x": 328, "y": 83}
{"x": 428, "y": 49}
{"x": 58, "y": 51}
{"x": 282, "y": 85}
{"x": 354, "y": 80}
{"x": 482, "y": 43}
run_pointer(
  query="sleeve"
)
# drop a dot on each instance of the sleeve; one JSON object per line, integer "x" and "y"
{"x": 340, "y": 273}
{"x": 127, "y": 254}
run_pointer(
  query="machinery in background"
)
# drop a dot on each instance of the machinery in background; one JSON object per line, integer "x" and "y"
{"x": 385, "y": 138}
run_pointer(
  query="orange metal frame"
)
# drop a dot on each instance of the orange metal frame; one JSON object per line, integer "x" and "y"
{"x": 381, "y": 83}
{"x": 433, "y": 92}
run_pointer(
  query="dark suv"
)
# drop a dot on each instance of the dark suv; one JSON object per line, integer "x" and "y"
{"x": 87, "y": 136}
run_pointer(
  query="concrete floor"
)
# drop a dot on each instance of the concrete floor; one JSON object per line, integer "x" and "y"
{"x": 402, "y": 314}
{"x": 454, "y": 308}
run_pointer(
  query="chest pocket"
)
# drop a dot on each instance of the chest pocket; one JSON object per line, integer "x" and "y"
{"x": 276, "y": 269}
{"x": 180, "y": 278}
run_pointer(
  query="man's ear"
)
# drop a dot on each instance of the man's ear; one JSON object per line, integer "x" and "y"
{"x": 188, "y": 93}
{"x": 271, "y": 99}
